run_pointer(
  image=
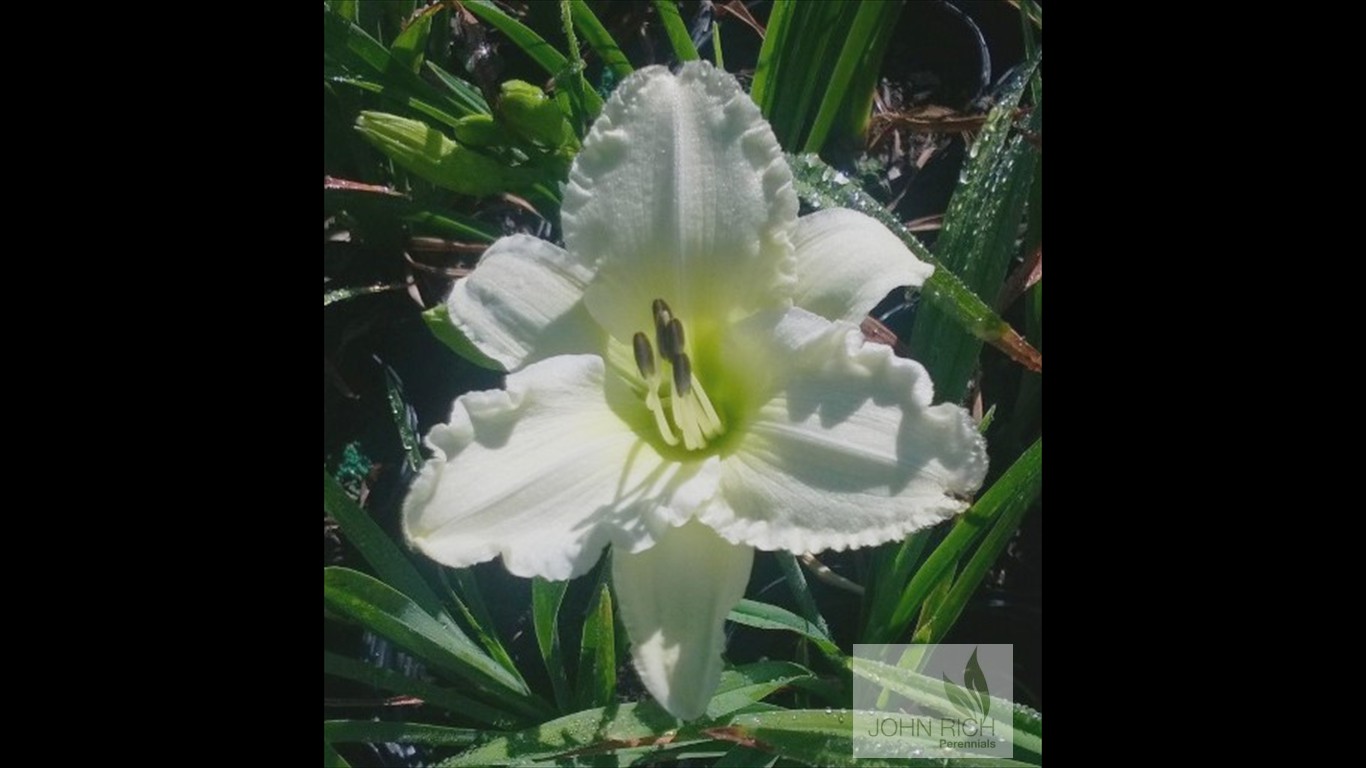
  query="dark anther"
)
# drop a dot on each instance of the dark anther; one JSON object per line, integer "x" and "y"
{"x": 682, "y": 374}
{"x": 645, "y": 357}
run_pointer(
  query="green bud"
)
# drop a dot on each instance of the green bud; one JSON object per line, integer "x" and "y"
{"x": 530, "y": 114}
{"x": 479, "y": 131}
{"x": 427, "y": 152}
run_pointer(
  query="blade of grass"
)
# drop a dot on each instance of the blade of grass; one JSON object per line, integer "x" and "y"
{"x": 370, "y": 66}
{"x": 1007, "y": 501}
{"x": 867, "y": 21}
{"x": 546, "y": 597}
{"x": 597, "y": 670}
{"x": 716, "y": 45}
{"x": 628, "y": 725}
{"x": 372, "y": 732}
{"x": 997, "y": 501}
{"x": 766, "y": 71}
{"x": 928, "y": 691}
{"x": 351, "y": 292}
{"x": 403, "y": 419}
{"x": 471, "y": 605}
{"x": 676, "y": 30}
{"x": 599, "y": 39}
{"x": 452, "y": 226}
{"x": 410, "y": 47}
{"x": 796, "y": 583}
{"x": 820, "y": 737}
{"x": 430, "y": 693}
{"x": 375, "y": 546}
{"x": 387, "y": 612}
{"x": 759, "y": 615}
{"x": 461, "y": 90}
{"x": 978, "y": 240}
{"x": 807, "y": 60}
{"x": 824, "y": 187}
{"x": 890, "y": 575}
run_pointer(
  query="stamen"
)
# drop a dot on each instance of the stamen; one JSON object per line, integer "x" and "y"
{"x": 662, "y": 313}
{"x": 682, "y": 373}
{"x": 711, "y": 426}
{"x": 664, "y": 337}
{"x": 676, "y": 339}
{"x": 691, "y": 412}
{"x": 657, "y": 408}
{"x": 645, "y": 357}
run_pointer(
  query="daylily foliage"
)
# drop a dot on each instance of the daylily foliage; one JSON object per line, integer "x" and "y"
{"x": 687, "y": 382}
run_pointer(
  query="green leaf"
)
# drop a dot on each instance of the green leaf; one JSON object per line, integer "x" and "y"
{"x": 1005, "y": 504}
{"x": 461, "y": 91}
{"x": 796, "y": 582}
{"x": 823, "y": 738}
{"x": 430, "y": 693}
{"x": 398, "y": 411}
{"x": 676, "y": 30}
{"x": 766, "y": 70}
{"x": 375, "y": 546}
{"x": 615, "y": 726}
{"x": 438, "y": 321}
{"x": 978, "y": 240}
{"x": 892, "y": 568}
{"x": 376, "y": 605}
{"x": 450, "y": 225}
{"x": 599, "y": 39}
{"x": 476, "y": 614}
{"x": 410, "y": 46}
{"x": 764, "y": 616}
{"x": 597, "y": 670}
{"x": 373, "y": 732}
{"x": 351, "y": 292}
{"x": 546, "y": 597}
{"x": 929, "y": 692}
{"x": 863, "y": 36}
{"x": 369, "y": 66}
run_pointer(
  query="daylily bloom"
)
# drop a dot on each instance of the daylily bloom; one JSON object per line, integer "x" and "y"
{"x": 687, "y": 383}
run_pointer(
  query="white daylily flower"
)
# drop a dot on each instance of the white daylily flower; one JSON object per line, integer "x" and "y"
{"x": 688, "y": 382}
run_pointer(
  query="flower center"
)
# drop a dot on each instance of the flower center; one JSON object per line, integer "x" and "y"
{"x": 690, "y": 412}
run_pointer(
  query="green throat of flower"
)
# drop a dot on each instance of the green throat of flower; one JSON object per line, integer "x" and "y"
{"x": 690, "y": 412}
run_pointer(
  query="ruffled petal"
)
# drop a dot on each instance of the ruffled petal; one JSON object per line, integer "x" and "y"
{"x": 524, "y": 302}
{"x": 674, "y": 600}
{"x": 681, "y": 192}
{"x": 847, "y": 262}
{"x": 843, "y": 448}
{"x": 546, "y": 473}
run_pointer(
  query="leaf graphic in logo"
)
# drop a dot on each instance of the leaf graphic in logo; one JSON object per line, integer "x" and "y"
{"x": 976, "y": 681}
{"x": 961, "y": 699}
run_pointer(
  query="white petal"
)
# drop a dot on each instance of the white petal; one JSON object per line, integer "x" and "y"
{"x": 546, "y": 474}
{"x": 845, "y": 449}
{"x": 847, "y": 262}
{"x": 681, "y": 192}
{"x": 524, "y": 302}
{"x": 674, "y": 600}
